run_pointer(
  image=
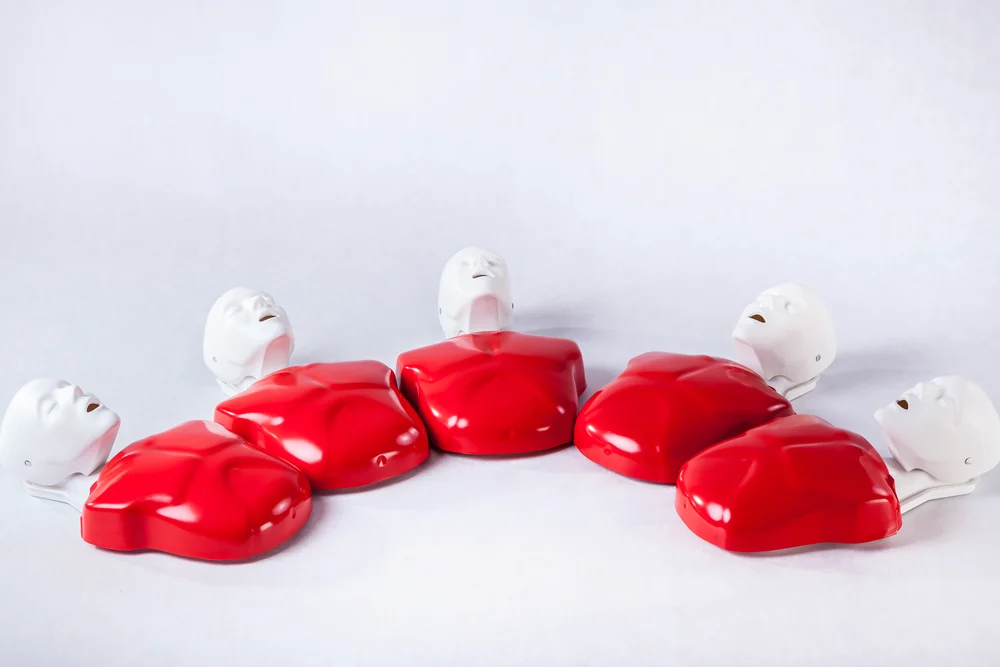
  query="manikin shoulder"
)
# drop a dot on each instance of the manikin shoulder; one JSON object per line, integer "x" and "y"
{"x": 293, "y": 381}
{"x": 490, "y": 344}
{"x": 507, "y": 344}
{"x": 364, "y": 373}
{"x": 675, "y": 365}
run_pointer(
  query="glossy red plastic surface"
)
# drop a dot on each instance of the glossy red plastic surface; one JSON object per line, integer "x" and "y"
{"x": 498, "y": 392}
{"x": 789, "y": 483}
{"x": 664, "y": 408}
{"x": 343, "y": 424}
{"x": 196, "y": 491}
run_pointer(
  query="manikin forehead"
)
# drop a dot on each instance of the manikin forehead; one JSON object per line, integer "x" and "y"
{"x": 972, "y": 400}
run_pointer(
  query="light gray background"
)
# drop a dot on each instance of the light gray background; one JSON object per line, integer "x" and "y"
{"x": 645, "y": 167}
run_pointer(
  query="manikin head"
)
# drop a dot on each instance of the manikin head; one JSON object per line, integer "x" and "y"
{"x": 786, "y": 332}
{"x": 52, "y": 430}
{"x": 946, "y": 427}
{"x": 247, "y": 336}
{"x": 475, "y": 293}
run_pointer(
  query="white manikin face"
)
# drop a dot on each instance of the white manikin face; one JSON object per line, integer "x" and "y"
{"x": 946, "y": 427}
{"x": 786, "y": 332}
{"x": 475, "y": 293}
{"x": 247, "y": 336}
{"x": 52, "y": 430}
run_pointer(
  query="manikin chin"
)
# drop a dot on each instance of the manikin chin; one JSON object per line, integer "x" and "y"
{"x": 247, "y": 336}
{"x": 943, "y": 435}
{"x": 786, "y": 336}
{"x": 475, "y": 293}
{"x": 55, "y": 438}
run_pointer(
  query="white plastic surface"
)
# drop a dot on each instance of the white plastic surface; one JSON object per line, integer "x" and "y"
{"x": 916, "y": 487}
{"x": 54, "y": 437}
{"x": 786, "y": 335}
{"x": 247, "y": 336}
{"x": 73, "y": 490}
{"x": 943, "y": 435}
{"x": 475, "y": 293}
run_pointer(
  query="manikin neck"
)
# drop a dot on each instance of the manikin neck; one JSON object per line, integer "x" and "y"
{"x": 483, "y": 314}
{"x": 762, "y": 364}
{"x": 73, "y": 490}
{"x": 916, "y": 487}
{"x": 792, "y": 390}
{"x": 478, "y": 331}
{"x": 232, "y": 390}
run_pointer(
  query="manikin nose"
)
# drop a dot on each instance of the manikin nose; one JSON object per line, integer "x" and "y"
{"x": 928, "y": 391}
{"x": 766, "y": 302}
{"x": 68, "y": 394}
{"x": 258, "y": 303}
{"x": 481, "y": 266}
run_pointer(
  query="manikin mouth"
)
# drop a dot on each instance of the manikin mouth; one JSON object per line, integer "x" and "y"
{"x": 265, "y": 318}
{"x": 758, "y": 317}
{"x": 481, "y": 274}
{"x": 903, "y": 404}
{"x": 93, "y": 406}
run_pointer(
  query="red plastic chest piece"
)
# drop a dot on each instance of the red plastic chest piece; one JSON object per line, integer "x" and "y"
{"x": 343, "y": 424}
{"x": 664, "y": 408}
{"x": 497, "y": 392}
{"x": 792, "y": 482}
{"x": 196, "y": 491}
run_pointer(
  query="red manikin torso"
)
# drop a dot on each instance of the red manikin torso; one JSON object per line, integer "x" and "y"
{"x": 499, "y": 392}
{"x": 343, "y": 424}
{"x": 198, "y": 491}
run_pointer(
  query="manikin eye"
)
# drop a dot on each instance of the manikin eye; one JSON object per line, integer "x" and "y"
{"x": 48, "y": 406}
{"x": 946, "y": 402}
{"x": 903, "y": 404}
{"x": 758, "y": 317}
